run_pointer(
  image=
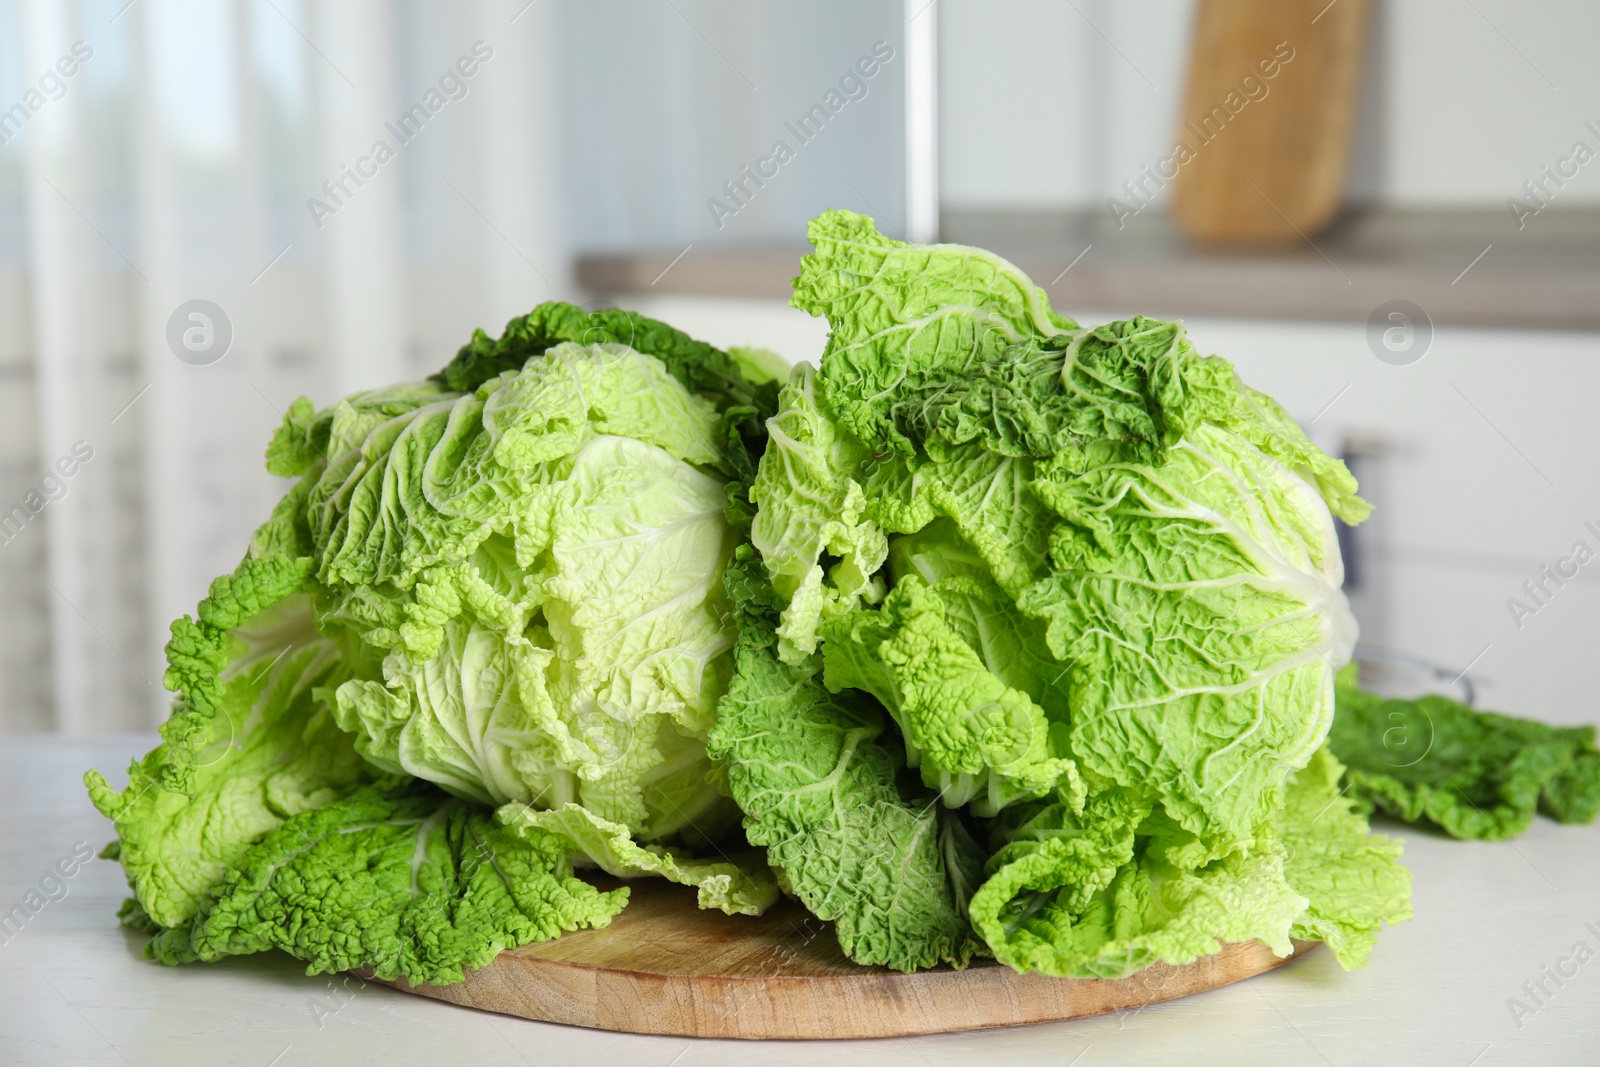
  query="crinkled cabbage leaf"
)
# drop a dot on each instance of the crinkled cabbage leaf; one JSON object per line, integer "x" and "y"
{"x": 407, "y": 882}
{"x": 1474, "y": 774}
{"x": 817, "y": 776}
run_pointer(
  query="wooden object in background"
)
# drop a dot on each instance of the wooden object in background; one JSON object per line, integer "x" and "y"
{"x": 1271, "y": 169}
{"x": 665, "y": 967}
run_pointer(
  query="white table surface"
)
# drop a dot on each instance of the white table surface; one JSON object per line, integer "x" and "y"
{"x": 73, "y": 987}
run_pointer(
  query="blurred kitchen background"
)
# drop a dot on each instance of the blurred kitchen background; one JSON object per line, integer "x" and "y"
{"x": 1413, "y": 270}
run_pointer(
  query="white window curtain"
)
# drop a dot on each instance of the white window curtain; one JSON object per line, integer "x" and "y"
{"x": 162, "y": 151}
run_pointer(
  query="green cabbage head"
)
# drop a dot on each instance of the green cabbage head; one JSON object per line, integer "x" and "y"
{"x": 501, "y": 584}
{"x": 1093, "y": 580}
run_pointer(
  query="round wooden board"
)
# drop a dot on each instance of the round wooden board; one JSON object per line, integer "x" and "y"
{"x": 663, "y": 966}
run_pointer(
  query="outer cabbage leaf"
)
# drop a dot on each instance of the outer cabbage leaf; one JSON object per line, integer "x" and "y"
{"x": 1475, "y": 774}
{"x": 908, "y": 323}
{"x": 760, "y": 365}
{"x": 1199, "y": 604}
{"x": 904, "y": 313}
{"x": 267, "y": 751}
{"x": 1048, "y": 867}
{"x": 1135, "y": 385}
{"x": 1161, "y": 910}
{"x": 988, "y": 498}
{"x": 738, "y": 885}
{"x": 975, "y": 739}
{"x": 1351, "y": 877}
{"x": 699, "y": 366}
{"x": 308, "y": 436}
{"x": 815, "y": 775}
{"x": 1262, "y": 421}
{"x": 411, "y": 885}
{"x": 810, "y": 505}
{"x": 201, "y": 651}
{"x": 1012, "y": 645}
{"x": 1014, "y": 404}
{"x": 1088, "y": 897}
{"x": 1125, "y": 391}
{"x": 248, "y": 743}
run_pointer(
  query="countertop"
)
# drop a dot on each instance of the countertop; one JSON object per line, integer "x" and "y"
{"x": 1490, "y": 917}
{"x": 1462, "y": 267}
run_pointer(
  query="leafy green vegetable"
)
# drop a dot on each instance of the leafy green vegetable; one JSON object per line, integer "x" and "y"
{"x": 1049, "y": 865}
{"x": 742, "y": 886}
{"x": 905, "y": 315}
{"x": 739, "y": 383}
{"x": 410, "y": 884}
{"x": 992, "y": 635}
{"x": 1104, "y": 892}
{"x": 200, "y": 654}
{"x": 248, "y": 744}
{"x": 605, "y": 698}
{"x": 816, "y": 777}
{"x": 1012, "y": 645}
{"x": 532, "y": 571}
{"x": 760, "y": 366}
{"x": 976, "y": 739}
{"x": 1167, "y": 525}
{"x": 809, "y": 506}
{"x": 505, "y": 581}
{"x": 701, "y": 368}
{"x": 1475, "y": 774}
{"x": 1097, "y": 896}
{"x": 984, "y": 498}
{"x": 1351, "y": 878}
{"x": 268, "y": 752}
{"x": 1092, "y": 579}
{"x": 1198, "y": 602}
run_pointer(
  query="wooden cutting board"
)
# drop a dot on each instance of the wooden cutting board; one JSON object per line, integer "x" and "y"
{"x": 1269, "y": 117}
{"x": 665, "y": 967}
